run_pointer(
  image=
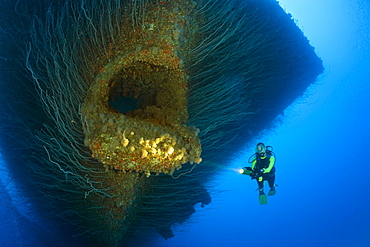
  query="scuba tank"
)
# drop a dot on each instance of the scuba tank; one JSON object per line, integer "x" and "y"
{"x": 259, "y": 171}
{"x": 269, "y": 153}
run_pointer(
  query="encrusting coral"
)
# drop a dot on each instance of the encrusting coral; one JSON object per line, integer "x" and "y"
{"x": 147, "y": 67}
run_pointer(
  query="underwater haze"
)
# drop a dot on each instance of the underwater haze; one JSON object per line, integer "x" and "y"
{"x": 321, "y": 143}
{"x": 322, "y": 147}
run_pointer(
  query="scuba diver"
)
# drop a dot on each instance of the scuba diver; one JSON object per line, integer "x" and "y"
{"x": 262, "y": 169}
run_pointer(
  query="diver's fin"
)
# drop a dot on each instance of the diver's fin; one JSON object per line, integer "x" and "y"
{"x": 262, "y": 198}
{"x": 272, "y": 192}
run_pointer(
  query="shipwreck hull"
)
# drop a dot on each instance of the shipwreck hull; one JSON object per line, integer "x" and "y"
{"x": 129, "y": 107}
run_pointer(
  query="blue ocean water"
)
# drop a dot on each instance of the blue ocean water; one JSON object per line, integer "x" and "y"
{"x": 321, "y": 146}
{"x": 322, "y": 150}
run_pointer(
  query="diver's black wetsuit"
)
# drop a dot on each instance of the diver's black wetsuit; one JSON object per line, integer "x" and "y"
{"x": 269, "y": 177}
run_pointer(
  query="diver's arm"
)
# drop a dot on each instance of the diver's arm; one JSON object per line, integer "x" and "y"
{"x": 271, "y": 165}
{"x": 253, "y": 164}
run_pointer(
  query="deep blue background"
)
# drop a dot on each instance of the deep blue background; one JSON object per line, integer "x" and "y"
{"x": 322, "y": 150}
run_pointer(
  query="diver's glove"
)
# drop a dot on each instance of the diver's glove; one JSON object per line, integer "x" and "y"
{"x": 253, "y": 175}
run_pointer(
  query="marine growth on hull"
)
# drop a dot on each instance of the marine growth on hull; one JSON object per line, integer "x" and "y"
{"x": 146, "y": 73}
{"x": 117, "y": 91}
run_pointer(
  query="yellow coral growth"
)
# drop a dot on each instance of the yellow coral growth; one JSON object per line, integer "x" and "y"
{"x": 153, "y": 138}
